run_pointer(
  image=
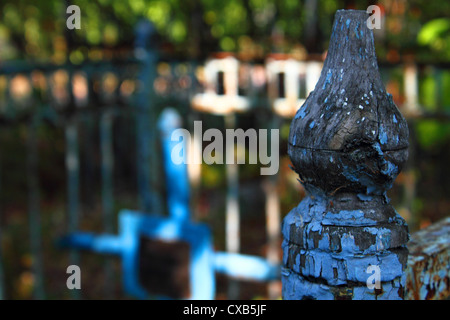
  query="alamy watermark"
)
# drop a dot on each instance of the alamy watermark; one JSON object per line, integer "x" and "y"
{"x": 74, "y": 280}
{"x": 374, "y": 21}
{"x": 214, "y": 151}
{"x": 374, "y": 280}
{"x": 74, "y": 20}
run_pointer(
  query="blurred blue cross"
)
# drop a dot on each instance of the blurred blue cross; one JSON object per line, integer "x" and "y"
{"x": 203, "y": 261}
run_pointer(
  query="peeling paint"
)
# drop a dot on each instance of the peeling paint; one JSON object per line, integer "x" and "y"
{"x": 344, "y": 217}
{"x": 345, "y": 224}
{"x": 328, "y": 78}
{"x": 383, "y": 135}
{"x": 364, "y": 197}
{"x": 428, "y": 272}
{"x": 301, "y": 113}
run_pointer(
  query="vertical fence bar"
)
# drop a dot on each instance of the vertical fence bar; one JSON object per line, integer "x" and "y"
{"x": 412, "y": 107}
{"x": 194, "y": 170}
{"x": 73, "y": 186}
{"x": 411, "y": 87}
{"x": 410, "y": 176}
{"x": 107, "y": 166}
{"x": 33, "y": 209}
{"x": 273, "y": 219}
{"x": 178, "y": 194}
{"x": 232, "y": 218}
{"x": 147, "y": 157}
{"x": 194, "y": 166}
{"x": 87, "y": 140}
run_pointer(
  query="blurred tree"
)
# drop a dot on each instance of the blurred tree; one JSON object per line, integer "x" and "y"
{"x": 436, "y": 35}
{"x": 195, "y": 28}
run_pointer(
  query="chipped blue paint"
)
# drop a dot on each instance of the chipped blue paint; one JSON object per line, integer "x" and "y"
{"x": 364, "y": 197}
{"x": 382, "y": 135}
{"x": 301, "y": 113}
{"x": 344, "y": 217}
{"x": 333, "y": 241}
{"x": 324, "y": 243}
{"x": 315, "y": 226}
{"x": 357, "y": 175}
{"x": 328, "y": 78}
{"x": 390, "y": 169}
{"x": 394, "y": 118}
{"x": 348, "y": 265}
{"x": 285, "y": 272}
{"x": 295, "y": 287}
{"x": 382, "y": 238}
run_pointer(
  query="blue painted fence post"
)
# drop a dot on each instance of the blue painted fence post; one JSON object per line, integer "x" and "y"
{"x": 146, "y": 154}
{"x": 178, "y": 194}
{"x": 348, "y": 142}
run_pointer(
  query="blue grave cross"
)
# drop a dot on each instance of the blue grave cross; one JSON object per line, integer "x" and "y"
{"x": 174, "y": 229}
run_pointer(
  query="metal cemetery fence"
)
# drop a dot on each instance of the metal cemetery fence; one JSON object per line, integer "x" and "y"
{"x": 119, "y": 100}
{"x": 76, "y": 98}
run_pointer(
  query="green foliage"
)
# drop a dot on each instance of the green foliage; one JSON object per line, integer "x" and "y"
{"x": 432, "y": 134}
{"x": 434, "y": 90}
{"x": 34, "y": 29}
{"x": 436, "y": 35}
{"x": 427, "y": 89}
{"x": 446, "y": 90}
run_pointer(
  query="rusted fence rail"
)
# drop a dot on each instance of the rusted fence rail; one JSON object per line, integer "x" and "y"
{"x": 428, "y": 271}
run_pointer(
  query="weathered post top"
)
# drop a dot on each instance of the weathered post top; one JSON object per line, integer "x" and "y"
{"x": 349, "y": 116}
{"x": 348, "y": 142}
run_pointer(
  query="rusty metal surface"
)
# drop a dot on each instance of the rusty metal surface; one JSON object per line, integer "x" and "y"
{"x": 428, "y": 272}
